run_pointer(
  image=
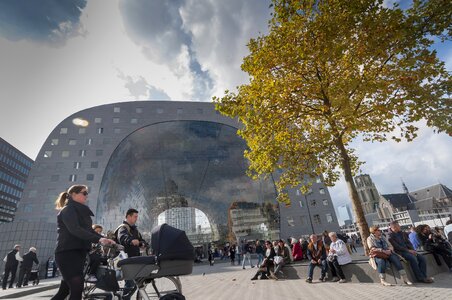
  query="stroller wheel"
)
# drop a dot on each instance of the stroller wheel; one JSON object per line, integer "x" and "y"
{"x": 173, "y": 296}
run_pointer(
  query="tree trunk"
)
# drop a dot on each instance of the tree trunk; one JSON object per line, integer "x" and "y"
{"x": 361, "y": 222}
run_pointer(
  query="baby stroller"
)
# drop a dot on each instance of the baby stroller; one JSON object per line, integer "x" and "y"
{"x": 157, "y": 276}
{"x": 34, "y": 276}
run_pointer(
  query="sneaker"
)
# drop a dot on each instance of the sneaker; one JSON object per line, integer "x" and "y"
{"x": 243, "y": 268}
{"x": 427, "y": 280}
{"x": 335, "y": 279}
{"x": 322, "y": 279}
{"x": 252, "y": 266}
{"x": 91, "y": 278}
{"x": 342, "y": 281}
{"x": 309, "y": 280}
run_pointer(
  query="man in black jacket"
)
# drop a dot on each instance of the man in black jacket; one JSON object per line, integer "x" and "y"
{"x": 25, "y": 267}
{"x": 129, "y": 236}
{"x": 12, "y": 261}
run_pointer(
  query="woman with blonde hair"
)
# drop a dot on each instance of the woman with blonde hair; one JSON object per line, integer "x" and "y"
{"x": 75, "y": 236}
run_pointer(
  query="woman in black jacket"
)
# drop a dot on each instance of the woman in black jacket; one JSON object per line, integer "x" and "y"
{"x": 75, "y": 236}
{"x": 266, "y": 268}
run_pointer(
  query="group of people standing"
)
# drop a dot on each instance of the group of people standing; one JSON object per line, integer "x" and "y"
{"x": 12, "y": 260}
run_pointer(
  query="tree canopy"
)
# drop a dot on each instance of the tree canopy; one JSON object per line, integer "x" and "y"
{"x": 329, "y": 71}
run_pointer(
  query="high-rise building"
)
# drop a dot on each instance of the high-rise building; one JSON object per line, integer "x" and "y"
{"x": 14, "y": 169}
{"x": 345, "y": 213}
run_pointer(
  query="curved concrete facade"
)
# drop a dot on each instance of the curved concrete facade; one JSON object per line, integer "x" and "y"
{"x": 155, "y": 155}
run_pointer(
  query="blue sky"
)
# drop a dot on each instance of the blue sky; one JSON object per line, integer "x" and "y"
{"x": 59, "y": 57}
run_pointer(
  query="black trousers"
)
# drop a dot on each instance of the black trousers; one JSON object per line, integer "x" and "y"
{"x": 71, "y": 268}
{"x": 12, "y": 271}
{"x": 24, "y": 274}
{"x": 336, "y": 269}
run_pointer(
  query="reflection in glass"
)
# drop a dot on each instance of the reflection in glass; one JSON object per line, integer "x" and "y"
{"x": 188, "y": 164}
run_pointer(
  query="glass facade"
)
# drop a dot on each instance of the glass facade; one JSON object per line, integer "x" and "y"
{"x": 173, "y": 164}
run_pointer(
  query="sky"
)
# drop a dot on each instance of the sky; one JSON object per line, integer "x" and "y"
{"x": 59, "y": 57}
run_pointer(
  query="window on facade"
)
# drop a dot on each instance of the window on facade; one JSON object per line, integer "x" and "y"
{"x": 51, "y": 192}
{"x": 313, "y": 202}
{"x": 54, "y": 178}
{"x": 301, "y": 203}
{"x": 100, "y": 130}
{"x": 54, "y": 142}
{"x": 99, "y": 152}
{"x": 65, "y": 154}
{"x": 329, "y": 218}
{"x": 159, "y": 110}
{"x": 317, "y": 220}
{"x": 77, "y": 164}
{"x": 116, "y": 109}
{"x": 298, "y": 192}
{"x": 90, "y": 177}
{"x": 94, "y": 164}
{"x": 81, "y": 130}
{"x": 106, "y": 141}
{"x": 72, "y": 142}
{"x": 325, "y": 202}
{"x": 97, "y": 120}
{"x": 180, "y": 111}
{"x": 115, "y": 120}
{"x": 133, "y": 121}
{"x": 303, "y": 220}
{"x": 82, "y": 153}
{"x": 28, "y": 208}
{"x": 89, "y": 141}
{"x": 32, "y": 193}
{"x": 290, "y": 221}
{"x": 47, "y": 154}
{"x": 139, "y": 110}
{"x": 322, "y": 191}
{"x": 72, "y": 178}
{"x": 200, "y": 111}
{"x": 63, "y": 130}
{"x": 117, "y": 130}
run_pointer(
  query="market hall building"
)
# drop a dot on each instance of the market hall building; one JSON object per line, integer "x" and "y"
{"x": 172, "y": 161}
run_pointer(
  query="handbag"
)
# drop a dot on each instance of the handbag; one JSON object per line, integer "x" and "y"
{"x": 378, "y": 254}
{"x": 278, "y": 259}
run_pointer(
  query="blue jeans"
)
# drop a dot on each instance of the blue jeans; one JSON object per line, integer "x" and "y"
{"x": 382, "y": 264}
{"x": 260, "y": 258}
{"x": 323, "y": 265}
{"x": 417, "y": 263}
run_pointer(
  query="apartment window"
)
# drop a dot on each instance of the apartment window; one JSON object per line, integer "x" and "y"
{"x": 72, "y": 178}
{"x": 303, "y": 220}
{"x": 317, "y": 219}
{"x": 116, "y": 109}
{"x": 325, "y": 202}
{"x": 139, "y": 110}
{"x": 54, "y": 178}
{"x": 301, "y": 203}
{"x": 313, "y": 202}
{"x": 200, "y": 111}
{"x": 89, "y": 141}
{"x": 82, "y": 153}
{"x": 159, "y": 110}
{"x": 63, "y": 130}
{"x": 133, "y": 121}
{"x": 28, "y": 208}
{"x": 100, "y": 130}
{"x": 65, "y": 154}
{"x": 51, "y": 192}
{"x": 94, "y": 164}
{"x": 54, "y": 142}
{"x": 47, "y": 154}
{"x": 97, "y": 120}
{"x": 117, "y": 130}
{"x": 81, "y": 130}
{"x": 99, "y": 152}
{"x": 77, "y": 164}
{"x": 90, "y": 177}
{"x": 115, "y": 120}
{"x": 180, "y": 111}
{"x": 322, "y": 191}
{"x": 72, "y": 142}
{"x": 290, "y": 221}
{"x": 329, "y": 218}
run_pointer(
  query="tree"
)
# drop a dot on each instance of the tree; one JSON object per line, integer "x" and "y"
{"x": 331, "y": 71}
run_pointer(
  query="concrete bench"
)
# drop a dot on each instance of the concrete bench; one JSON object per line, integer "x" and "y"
{"x": 361, "y": 271}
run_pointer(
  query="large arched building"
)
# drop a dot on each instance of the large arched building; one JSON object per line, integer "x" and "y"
{"x": 156, "y": 156}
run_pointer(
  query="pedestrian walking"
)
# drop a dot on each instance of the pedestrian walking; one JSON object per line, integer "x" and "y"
{"x": 11, "y": 262}
{"x": 246, "y": 251}
{"x": 75, "y": 236}
{"x": 26, "y": 266}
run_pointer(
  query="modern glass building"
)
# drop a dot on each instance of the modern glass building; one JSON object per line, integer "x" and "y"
{"x": 14, "y": 169}
{"x": 156, "y": 156}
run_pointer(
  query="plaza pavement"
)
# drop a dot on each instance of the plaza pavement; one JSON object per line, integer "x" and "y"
{"x": 223, "y": 281}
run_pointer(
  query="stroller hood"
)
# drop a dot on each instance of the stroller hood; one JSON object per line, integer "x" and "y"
{"x": 169, "y": 243}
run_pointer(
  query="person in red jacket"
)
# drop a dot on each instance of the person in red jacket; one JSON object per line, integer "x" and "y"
{"x": 297, "y": 253}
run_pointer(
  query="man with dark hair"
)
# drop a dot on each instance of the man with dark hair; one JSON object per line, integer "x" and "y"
{"x": 12, "y": 261}
{"x": 403, "y": 246}
{"x": 317, "y": 257}
{"x": 129, "y": 236}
